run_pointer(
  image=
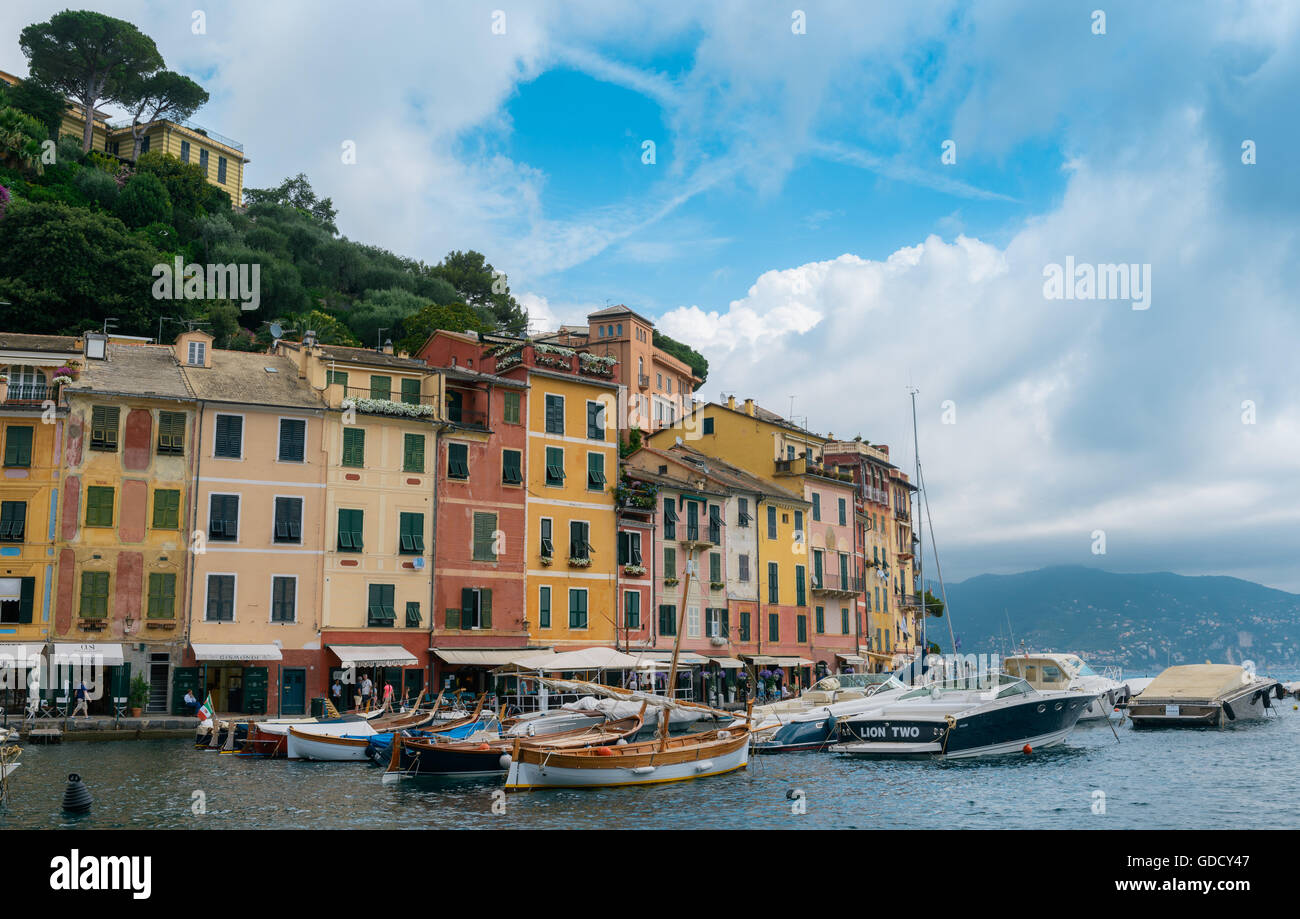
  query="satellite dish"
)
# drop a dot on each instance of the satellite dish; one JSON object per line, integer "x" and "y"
{"x": 277, "y": 331}
{"x": 679, "y": 440}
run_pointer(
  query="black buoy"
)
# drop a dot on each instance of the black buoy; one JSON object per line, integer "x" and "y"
{"x": 76, "y": 797}
{"x": 1227, "y": 710}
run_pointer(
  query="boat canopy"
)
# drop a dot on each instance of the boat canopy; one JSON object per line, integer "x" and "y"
{"x": 664, "y": 657}
{"x": 1197, "y": 681}
{"x": 372, "y": 655}
{"x": 579, "y": 659}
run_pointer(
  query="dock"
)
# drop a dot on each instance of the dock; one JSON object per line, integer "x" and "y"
{"x": 45, "y": 735}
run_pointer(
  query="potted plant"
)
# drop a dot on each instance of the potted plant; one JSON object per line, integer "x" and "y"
{"x": 139, "y": 694}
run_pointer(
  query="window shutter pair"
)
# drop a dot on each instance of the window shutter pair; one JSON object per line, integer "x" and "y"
{"x": 171, "y": 433}
{"x": 350, "y": 522}
{"x": 293, "y": 440}
{"x": 667, "y": 619}
{"x": 229, "y": 441}
{"x": 13, "y": 521}
{"x": 411, "y": 533}
{"x": 104, "y": 421}
{"x": 413, "y": 453}
{"x": 485, "y": 526}
{"x": 288, "y": 519}
{"x": 511, "y": 467}
{"x": 595, "y": 421}
{"x": 354, "y": 447}
{"x": 166, "y": 509}
{"x": 18, "y": 445}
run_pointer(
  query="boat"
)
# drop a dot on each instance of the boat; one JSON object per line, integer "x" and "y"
{"x": 1204, "y": 695}
{"x": 811, "y": 725}
{"x": 484, "y": 757}
{"x": 964, "y": 718}
{"x": 342, "y": 742}
{"x": 536, "y": 724}
{"x": 1068, "y": 671}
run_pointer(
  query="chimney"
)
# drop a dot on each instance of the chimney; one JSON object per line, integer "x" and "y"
{"x": 96, "y": 346}
{"x": 388, "y": 346}
{"x": 749, "y": 407}
{"x": 731, "y": 403}
{"x": 309, "y": 339}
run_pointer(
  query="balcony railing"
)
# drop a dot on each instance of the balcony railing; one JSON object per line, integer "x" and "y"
{"x": 29, "y": 392}
{"x": 468, "y": 418}
{"x": 831, "y": 582}
{"x": 643, "y": 380}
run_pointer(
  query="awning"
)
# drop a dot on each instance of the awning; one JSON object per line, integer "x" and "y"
{"x": 373, "y": 655}
{"x": 851, "y": 658}
{"x": 792, "y": 662}
{"x": 481, "y": 657}
{"x": 683, "y": 657}
{"x": 236, "y": 652}
{"x": 728, "y": 663}
{"x": 759, "y": 660}
{"x": 21, "y": 654}
{"x": 67, "y": 653}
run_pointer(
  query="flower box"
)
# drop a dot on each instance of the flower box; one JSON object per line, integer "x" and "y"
{"x": 671, "y": 582}
{"x": 634, "y": 570}
{"x": 546, "y": 561}
{"x": 389, "y": 407}
{"x": 716, "y": 585}
{"x": 579, "y": 563}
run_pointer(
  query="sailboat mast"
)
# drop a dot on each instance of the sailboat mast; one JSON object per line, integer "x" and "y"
{"x": 677, "y": 642}
{"x": 919, "y": 532}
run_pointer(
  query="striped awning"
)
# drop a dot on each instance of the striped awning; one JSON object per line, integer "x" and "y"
{"x": 206, "y": 652}
{"x": 373, "y": 655}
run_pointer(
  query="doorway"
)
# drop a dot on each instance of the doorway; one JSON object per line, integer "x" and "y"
{"x": 293, "y": 691}
{"x": 159, "y": 670}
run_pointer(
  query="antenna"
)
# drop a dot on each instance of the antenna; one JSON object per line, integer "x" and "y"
{"x": 379, "y": 339}
{"x": 106, "y": 323}
{"x": 277, "y": 331}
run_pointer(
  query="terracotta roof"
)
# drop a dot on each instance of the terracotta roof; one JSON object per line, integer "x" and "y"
{"x": 13, "y": 341}
{"x": 133, "y": 370}
{"x": 247, "y": 378}
{"x": 475, "y": 376}
{"x": 618, "y": 310}
{"x": 725, "y": 475}
{"x": 366, "y": 356}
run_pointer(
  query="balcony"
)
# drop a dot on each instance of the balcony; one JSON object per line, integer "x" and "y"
{"x": 643, "y": 380}
{"x": 792, "y": 466}
{"x": 379, "y": 402}
{"x": 468, "y": 418}
{"x": 830, "y": 584}
{"x": 691, "y": 536}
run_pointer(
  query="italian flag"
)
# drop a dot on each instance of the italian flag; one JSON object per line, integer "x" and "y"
{"x": 205, "y": 711}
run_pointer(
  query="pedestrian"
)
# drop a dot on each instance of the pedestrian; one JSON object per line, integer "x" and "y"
{"x": 191, "y": 702}
{"x": 81, "y": 701}
{"x": 367, "y": 688}
{"x": 388, "y": 694}
{"x": 336, "y": 695}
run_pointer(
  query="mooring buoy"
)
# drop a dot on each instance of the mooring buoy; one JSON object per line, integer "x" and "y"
{"x": 76, "y": 797}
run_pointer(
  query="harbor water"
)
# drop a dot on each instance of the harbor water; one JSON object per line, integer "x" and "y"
{"x": 1243, "y": 776}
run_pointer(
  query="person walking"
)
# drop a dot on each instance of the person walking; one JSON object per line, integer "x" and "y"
{"x": 367, "y": 688}
{"x": 82, "y": 700}
{"x": 388, "y": 694}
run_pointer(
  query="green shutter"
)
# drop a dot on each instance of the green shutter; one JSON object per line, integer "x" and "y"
{"x": 452, "y": 620}
{"x": 26, "y": 600}
{"x": 821, "y": 621}
{"x": 13, "y": 521}
{"x": 511, "y": 467}
{"x": 485, "y": 608}
{"x": 715, "y": 567}
{"x": 171, "y": 433}
{"x": 800, "y": 597}
{"x": 412, "y": 614}
{"x": 458, "y": 461}
{"x": 595, "y": 421}
{"x": 667, "y": 619}
{"x": 381, "y": 387}
{"x": 467, "y": 607}
{"x": 595, "y": 471}
{"x": 18, "y": 445}
{"x": 510, "y": 413}
{"x": 166, "y": 509}
{"x": 544, "y": 608}
{"x": 293, "y": 440}
{"x": 104, "y": 427}
{"x": 338, "y": 377}
{"x": 411, "y": 533}
{"x": 350, "y": 524}
{"x": 555, "y": 466}
{"x": 413, "y": 453}
{"x": 99, "y": 506}
{"x": 162, "y": 596}
{"x": 94, "y": 594}
{"x": 354, "y": 447}
{"x": 411, "y": 391}
{"x": 229, "y": 440}
{"x": 485, "y": 526}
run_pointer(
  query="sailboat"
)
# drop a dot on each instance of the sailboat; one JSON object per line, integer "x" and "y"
{"x": 651, "y": 762}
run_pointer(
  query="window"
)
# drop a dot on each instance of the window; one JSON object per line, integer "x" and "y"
{"x": 715, "y": 524}
{"x": 350, "y": 523}
{"x": 692, "y": 521}
{"x": 410, "y": 390}
{"x": 693, "y": 621}
{"x": 512, "y": 472}
{"x": 843, "y": 513}
{"x": 475, "y": 608}
{"x": 381, "y": 387}
{"x": 293, "y": 440}
{"x": 380, "y": 613}
{"x": 229, "y": 442}
{"x": 221, "y": 170}
{"x": 510, "y": 411}
{"x": 485, "y": 528}
{"x": 413, "y": 617}
{"x": 595, "y": 421}
{"x": 798, "y": 526}
{"x": 185, "y": 151}
{"x": 166, "y": 509}
{"x": 629, "y": 548}
{"x": 659, "y": 381}
{"x": 667, "y": 619}
{"x": 742, "y": 567}
{"x": 221, "y": 598}
{"x": 816, "y": 508}
{"x": 801, "y": 628}
{"x": 223, "y": 517}
{"x": 18, "y": 445}
{"x": 554, "y": 414}
{"x": 13, "y": 521}
{"x": 203, "y": 160}
{"x": 670, "y": 562}
{"x": 103, "y": 428}
{"x": 336, "y": 377}
{"x": 548, "y": 547}
{"x": 844, "y": 619}
{"x": 354, "y": 447}
{"x": 844, "y": 572}
{"x": 620, "y": 330}
{"x": 577, "y": 607}
{"x": 708, "y": 425}
{"x": 413, "y": 453}
{"x": 819, "y": 621}
{"x": 171, "y": 433}
{"x": 742, "y": 511}
{"x": 196, "y": 355}
{"x": 800, "y": 597}
{"x": 773, "y": 627}
{"x": 284, "y": 599}
{"x": 555, "y": 466}
{"x": 544, "y": 608}
{"x": 818, "y": 574}
{"x": 579, "y": 539}
{"x": 773, "y": 583}
{"x": 744, "y": 625}
{"x": 715, "y": 623}
{"x": 94, "y": 595}
{"x": 99, "y": 506}
{"x": 771, "y": 522}
{"x": 162, "y": 596}
{"x": 670, "y": 385}
{"x": 27, "y": 384}
{"x": 288, "y": 520}
{"x": 670, "y": 519}
{"x": 632, "y": 609}
{"x": 458, "y": 461}
{"x": 715, "y": 567}
{"x": 410, "y": 533}
{"x": 595, "y": 472}
{"x": 144, "y": 147}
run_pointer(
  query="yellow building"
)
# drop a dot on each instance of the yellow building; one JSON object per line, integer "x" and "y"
{"x": 380, "y": 444}
{"x": 570, "y": 547}
{"x": 31, "y": 425}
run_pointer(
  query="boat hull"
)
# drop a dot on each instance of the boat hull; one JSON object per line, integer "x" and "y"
{"x": 684, "y": 759}
{"x": 326, "y": 748}
{"x": 1251, "y": 704}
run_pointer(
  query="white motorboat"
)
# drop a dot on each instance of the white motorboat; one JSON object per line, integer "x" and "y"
{"x": 808, "y": 721}
{"x": 1069, "y": 671}
{"x": 1199, "y": 695}
{"x": 959, "y": 719}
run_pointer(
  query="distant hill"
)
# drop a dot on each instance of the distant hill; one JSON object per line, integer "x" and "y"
{"x": 1138, "y": 621}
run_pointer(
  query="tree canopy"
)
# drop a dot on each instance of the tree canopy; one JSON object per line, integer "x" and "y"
{"x": 685, "y": 353}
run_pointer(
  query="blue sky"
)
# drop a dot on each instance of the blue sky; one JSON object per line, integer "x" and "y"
{"x": 799, "y": 228}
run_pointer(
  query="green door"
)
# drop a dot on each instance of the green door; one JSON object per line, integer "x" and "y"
{"x": 255, "y": 681}
{"x": 119, "y": 684}
{"x": 293, "y": 691}
{"x": 414, "y": 685}
{"x": 185, "y": 679}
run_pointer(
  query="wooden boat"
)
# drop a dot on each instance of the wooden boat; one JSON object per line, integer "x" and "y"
{"x": 486, "y": 758}
{"x": 651, "y": 762}
{"x": 1203, "y": 695}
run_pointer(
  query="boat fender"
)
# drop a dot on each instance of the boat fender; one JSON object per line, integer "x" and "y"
{"x": 505, "y": 760}
{"x": 604, "y": 751}
{"x": 1026, "y": 749}
{"x": 724, "y": 735}
{"x": 643, "y": 770}
{"x": 484, "y": 747}
{"x": 1279, "y": 690}
{"x": 622, "y": 742}
{"x": 704, "y": 765}
{"x": 1227, "y": 710}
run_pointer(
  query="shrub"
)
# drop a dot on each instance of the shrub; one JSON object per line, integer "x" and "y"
{"x": 144, "y": 201}
{"x": 98, "y": 187}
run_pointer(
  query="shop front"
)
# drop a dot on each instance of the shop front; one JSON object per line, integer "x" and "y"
{"x": 377, "y": 666}
{"x": 236, "y": 676}
{"x": 100, "y": 667}
{"x": 17, "y": 662}
{"x": 851, "y": 663}
{"x": 468, "y": 672}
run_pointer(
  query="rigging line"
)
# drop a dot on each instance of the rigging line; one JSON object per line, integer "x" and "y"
{"x": 934, "y": 547}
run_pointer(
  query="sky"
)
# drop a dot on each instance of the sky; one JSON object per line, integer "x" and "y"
{"x": 836, "y": 201}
